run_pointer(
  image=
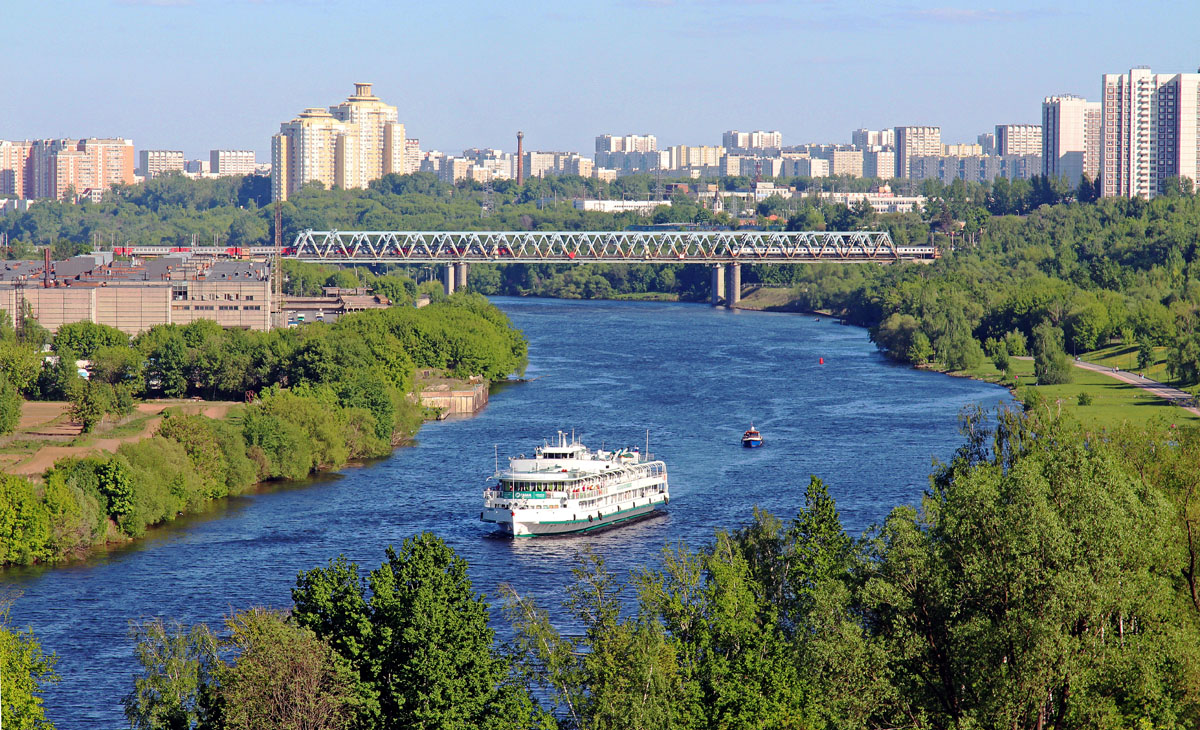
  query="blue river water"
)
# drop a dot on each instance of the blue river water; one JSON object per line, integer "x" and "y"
{"x": 694, "y": 376}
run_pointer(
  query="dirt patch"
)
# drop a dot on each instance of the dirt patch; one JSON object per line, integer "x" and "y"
{"x": 41, "y": 417}
{"x": 37, "y": 413}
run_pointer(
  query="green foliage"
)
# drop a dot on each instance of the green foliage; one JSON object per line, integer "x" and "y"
{"x": 176, "y": 668}
{"x": 1050, "y": 363}
{"x": 86, "y": 338}
{"x": 10, "y": 406}
{"x": 90, "y": 402}
{"x": 284, "y": 677}
{"x": 25, "y": 671}
{"x": 24, "y": 523}
{"x": 1084, "y": 399}
{"x": 418, "y": 638}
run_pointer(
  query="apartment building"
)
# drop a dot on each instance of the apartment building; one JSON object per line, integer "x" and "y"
{"x": 867, "y": 139}
{"x": 916, "y": 142}
{"x": 964, "y": 149}
{"x": 1151, "y": 129}
{"x": 987, "y": 143}
{"x": 348, "y": 146}
{"x": 86, "y": 166}
{"x": 412, "y": 155}
{"x": 1018, "y": 139}
{"x": 152, "y": 163}
{"x": 231, "y": 162}
{"x": 1071, "y": 131}
{"x": 683, "y": 156}
{"x": 756, "y": 140}
{"x": 626, "y": 143}
{"x": 879, "y": 163}
{"x": 16, "y": 169}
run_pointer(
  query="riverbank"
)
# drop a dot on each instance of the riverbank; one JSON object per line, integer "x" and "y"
{"x": 1094, "y": 397}
{"x": 73, "y": 494}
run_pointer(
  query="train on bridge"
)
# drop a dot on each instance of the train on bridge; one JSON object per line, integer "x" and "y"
{"x": 233, "y": 252}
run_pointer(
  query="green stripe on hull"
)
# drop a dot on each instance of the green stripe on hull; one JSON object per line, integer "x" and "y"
{"x": 589, "y": 528}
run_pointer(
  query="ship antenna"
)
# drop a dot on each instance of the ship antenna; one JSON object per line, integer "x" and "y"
{"x": 497, "y": 457}
{"x": 647, "y": 444}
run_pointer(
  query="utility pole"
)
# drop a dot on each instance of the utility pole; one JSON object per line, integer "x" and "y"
{"x": 277, "y": 267}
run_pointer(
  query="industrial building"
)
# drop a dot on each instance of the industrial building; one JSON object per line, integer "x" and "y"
{"x": 134, "y": 296}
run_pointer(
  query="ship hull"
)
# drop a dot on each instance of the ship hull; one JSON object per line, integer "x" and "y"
{"x": 510, "y": 527}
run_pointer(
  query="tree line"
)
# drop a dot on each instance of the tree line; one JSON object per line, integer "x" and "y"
{"x": 317, "y": 396}
{"x": 1045, "y": 581}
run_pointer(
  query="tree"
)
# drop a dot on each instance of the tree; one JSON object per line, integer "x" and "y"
{"x": 10, "y": 406}
{"x": 173, "y": 689}
{"x": 25, "y": 671}
{"x": 90, "y": 401}
{"x": 85, "y": 338}
{"x": 420, "y": 643}
{"x": 1145, "y": 356}
{"x": 1050, "y": 363}
{"x": 283, "y": 677}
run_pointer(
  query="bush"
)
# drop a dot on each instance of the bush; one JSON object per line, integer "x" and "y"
{"x": 10, "y": 406}
{"x": 1084, "y": 399}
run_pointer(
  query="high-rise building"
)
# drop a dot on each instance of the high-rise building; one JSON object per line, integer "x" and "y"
{"x": 231, "y": 162}
{"x": 1150, "y": 131}
{"x": 867, "y": 139}
{"x": 916, "y": 142}
{"x": 987, "y": 142}
{"x": 350, "y": 145}
{"x": 153, "y": 163}
{"x": 1071, "y": 132}
{"x": 879, "y": 163}
{"x": 87, "y": 166}
{"x": 16, "y": 169}
{"x": 756, "y": 140}
{"x": 627, "y": 143}
{"x": 1018, "y": 139}
{"x": 963, "y": 149}
{"x": 695, "y": 156}
{"x": 412, "y": 155}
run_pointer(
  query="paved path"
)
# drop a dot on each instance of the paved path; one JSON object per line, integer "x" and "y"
{"x": 1174, "y": 395}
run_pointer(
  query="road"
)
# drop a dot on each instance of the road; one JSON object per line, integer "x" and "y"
{"x": 1174, "y": 395}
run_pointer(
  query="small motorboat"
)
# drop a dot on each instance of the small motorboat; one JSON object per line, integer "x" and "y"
{"x": 752, "y": 439}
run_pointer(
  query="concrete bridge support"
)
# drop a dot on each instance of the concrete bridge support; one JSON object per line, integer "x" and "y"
{"x": 448, "y": 278}
{"x": 460, "y": 276}
{"x": 718, "y": 284}
{"x": 733, "y": 285}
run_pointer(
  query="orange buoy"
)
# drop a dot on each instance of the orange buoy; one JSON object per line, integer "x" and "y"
{"x": 820, "y": 361}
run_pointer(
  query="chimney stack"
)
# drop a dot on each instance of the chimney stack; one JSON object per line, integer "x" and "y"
{"x": 46, "y": 268}
{"x": 520, "y": 158}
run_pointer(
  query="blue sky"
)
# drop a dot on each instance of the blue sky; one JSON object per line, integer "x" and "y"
{"x": 203, "y": 74}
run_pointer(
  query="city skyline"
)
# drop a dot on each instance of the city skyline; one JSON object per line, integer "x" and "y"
{"x": 198, "y": 75}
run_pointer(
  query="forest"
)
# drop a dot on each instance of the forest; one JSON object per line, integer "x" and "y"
{"x": 316, "y": 397}
{"x": 1046, "y": 580}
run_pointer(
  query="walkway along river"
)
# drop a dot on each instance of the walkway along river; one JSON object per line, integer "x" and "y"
{"x": 693, "y": 375}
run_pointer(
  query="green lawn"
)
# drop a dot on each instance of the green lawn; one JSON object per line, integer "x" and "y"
{"x": 1113, "y": 402}
{"x": 1125, "y": 357}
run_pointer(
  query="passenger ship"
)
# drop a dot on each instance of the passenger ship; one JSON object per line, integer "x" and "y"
{"x": 568, "y": 488}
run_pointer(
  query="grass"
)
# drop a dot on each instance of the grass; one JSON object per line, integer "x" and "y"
{"x": 1125, "y": 357}
{"x": 1114, "y": 403}
{"x": 135, "y": 424}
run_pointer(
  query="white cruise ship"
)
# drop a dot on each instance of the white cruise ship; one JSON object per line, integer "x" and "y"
{"x": 566, "y": 487}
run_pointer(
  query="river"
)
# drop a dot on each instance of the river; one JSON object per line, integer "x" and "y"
{"x": 694, "y": 376}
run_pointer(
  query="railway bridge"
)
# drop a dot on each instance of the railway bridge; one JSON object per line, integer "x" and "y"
{"x": 724, "y": 251}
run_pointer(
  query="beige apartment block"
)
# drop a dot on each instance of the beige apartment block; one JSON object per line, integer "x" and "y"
{"x": 1151, "y": 129}
{"x": 1018, "y": 139}
{"x": 348, "y": 146}
{"x": 1071, "y": 131}
{"x": 153, "y": 163}
{"x": 231, "y": 162}
{"x": 16, "y": 169}
{"x": 916, "y": 142}
{"x": 87, "y": 166}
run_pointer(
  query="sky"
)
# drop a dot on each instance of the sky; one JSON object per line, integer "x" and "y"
{"x": 206, "y": 74}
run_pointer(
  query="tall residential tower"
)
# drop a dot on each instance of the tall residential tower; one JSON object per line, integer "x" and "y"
{"x": 1151, "y": 131}
{"x": 1070, "y": 138}
{"x": 350, "y": 145}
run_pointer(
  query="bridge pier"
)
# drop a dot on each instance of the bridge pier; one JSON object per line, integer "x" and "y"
{"x": 718, "y": 284}
{"x": 460, "y": 276}
{"x": 733, "y": 285}
{"x": 448, "y": 278}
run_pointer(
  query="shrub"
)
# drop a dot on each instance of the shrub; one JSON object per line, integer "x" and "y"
{"x": 1085, "y": 398}
{"x": 10, "y": 406}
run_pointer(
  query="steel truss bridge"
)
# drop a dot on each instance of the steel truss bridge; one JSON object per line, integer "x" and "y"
{"x": 575, "y": 247}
